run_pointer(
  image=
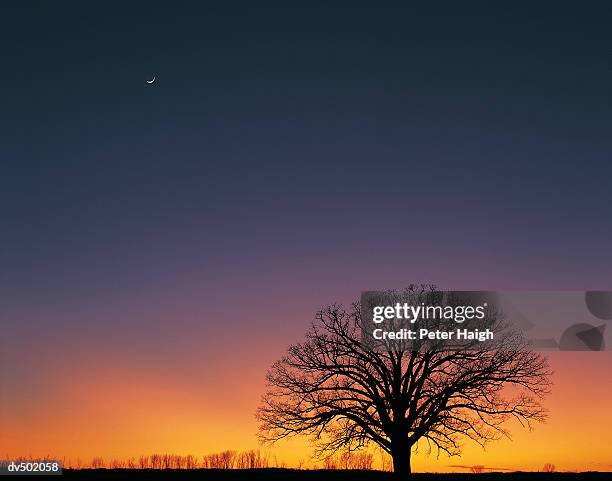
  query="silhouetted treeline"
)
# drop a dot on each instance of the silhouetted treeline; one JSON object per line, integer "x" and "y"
{"x": 350, "y": 460}
{"x": 228, "y": 459}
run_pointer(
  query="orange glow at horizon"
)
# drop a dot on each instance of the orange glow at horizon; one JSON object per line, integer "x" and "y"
{"x": 111, "y": 411}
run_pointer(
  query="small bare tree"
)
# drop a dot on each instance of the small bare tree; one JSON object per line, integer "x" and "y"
{"x": 346, "y": 395}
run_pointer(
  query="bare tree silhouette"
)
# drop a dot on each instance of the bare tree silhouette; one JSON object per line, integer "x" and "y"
{"x": 346, "y": 395}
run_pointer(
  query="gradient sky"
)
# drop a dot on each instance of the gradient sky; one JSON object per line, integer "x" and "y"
{"x": 286, "y": 157}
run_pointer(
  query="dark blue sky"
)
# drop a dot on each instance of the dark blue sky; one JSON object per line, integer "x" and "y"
{"x": 465, "y": 143}
{"x": 161, "y": 245}
{"x": 287, "y": 156}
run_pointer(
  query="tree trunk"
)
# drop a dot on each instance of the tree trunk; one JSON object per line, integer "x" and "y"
{"x": 401, "y": 459}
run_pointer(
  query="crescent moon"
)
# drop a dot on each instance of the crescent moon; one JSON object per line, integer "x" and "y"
{"x": 151, "y": 81}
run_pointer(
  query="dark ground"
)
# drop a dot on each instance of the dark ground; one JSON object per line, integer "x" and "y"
{"x": 318, "y": 475}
